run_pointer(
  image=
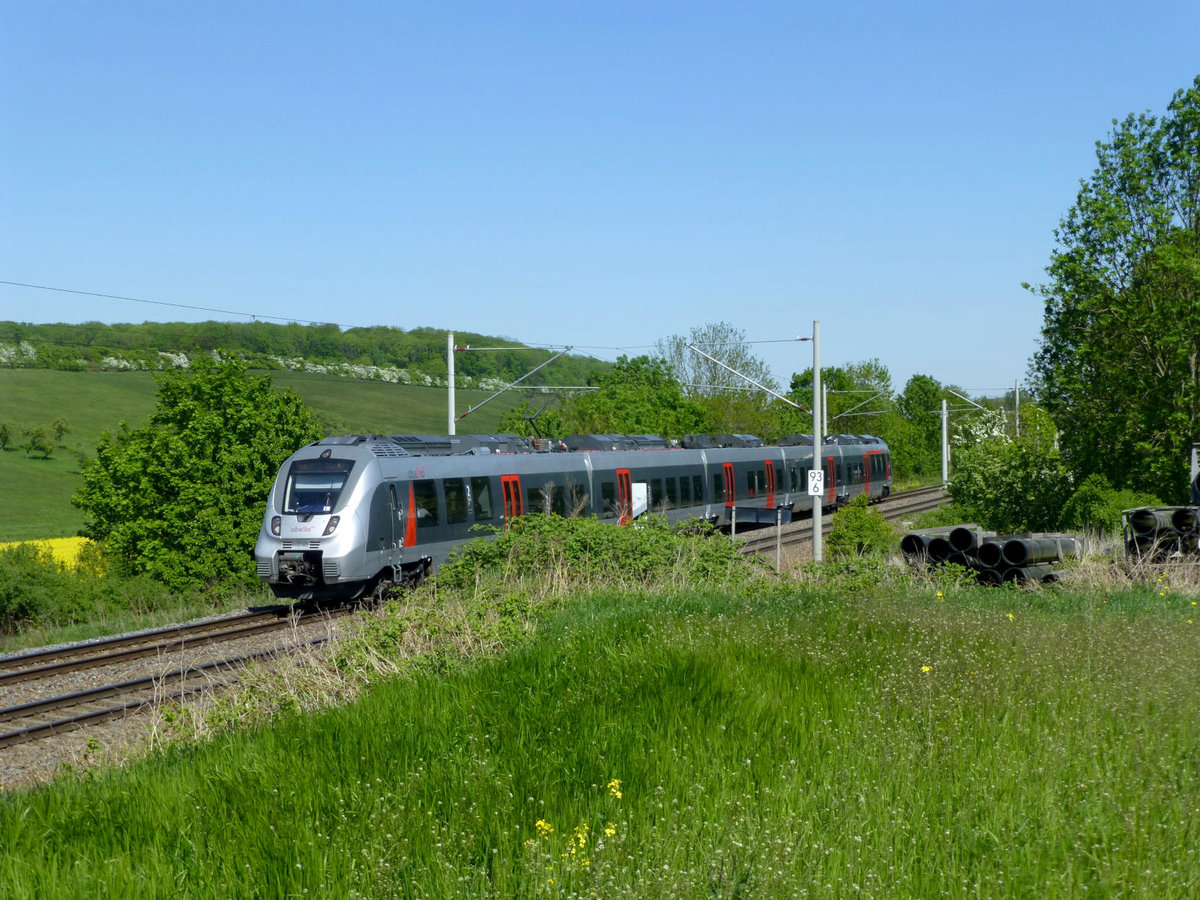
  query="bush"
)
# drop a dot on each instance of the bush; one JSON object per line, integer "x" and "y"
{"x": 38, "y": 590}
{"x": 1096, "y": 506}
{"x": 859, "y": 531}
{"x": 585, "y": 552}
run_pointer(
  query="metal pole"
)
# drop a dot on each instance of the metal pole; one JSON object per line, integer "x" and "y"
{"x": 945, "y": 443}
{"x": 825, "y": 410}
{"x": 732, "y": 519}
{"x": 1017, "y": 411}
{"x": 778, "y": 540}
{"x": 818, "y": 555}
{"x": 450, "y": 371}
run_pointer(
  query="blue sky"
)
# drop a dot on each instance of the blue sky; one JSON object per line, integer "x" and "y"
{"x": 595, "y": 174}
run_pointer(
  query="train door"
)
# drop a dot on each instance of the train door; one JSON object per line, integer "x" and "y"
{"x": 830, "y": 480}
{"x": 514, "y": 503}
{"x": 872, "y": 460}
{"x": 730, "y": 484}
{"x": 770, "y": 484}
{"x": 624, "y": 497}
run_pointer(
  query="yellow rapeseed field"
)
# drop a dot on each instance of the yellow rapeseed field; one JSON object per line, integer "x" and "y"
{"x": 65, "y": 550}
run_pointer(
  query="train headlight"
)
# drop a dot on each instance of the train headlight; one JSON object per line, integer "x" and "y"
{"x": 276, "y": 525}
{"x": 333, "y": 524}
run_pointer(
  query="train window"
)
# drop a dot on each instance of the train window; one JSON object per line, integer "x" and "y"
{"x": 698, "y": 489}
{"x": 718, "y": 488}
{"x": 456, "y": 500}
{"x": 314, "y": 485}
{"x": 579, "y": 498}
{"x": 672, "y": 492}
{"x": 425, "y": 498}
{"x": 685, "y": 491}
{"x": 608, "y": 499}
{"x": 656, "y": 492}
{"x": 546, "y": 500}
{"x": 755, "y": 479}
{"x": 481, "y": 493}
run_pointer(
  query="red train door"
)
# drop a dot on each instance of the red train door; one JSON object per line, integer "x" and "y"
{"x": 770, "y": 484}
{"x": 730, "y": 484}
{"x": 514, "y": 505}
{"x": 624, "y": 497}
{"x": 831, "y": 479}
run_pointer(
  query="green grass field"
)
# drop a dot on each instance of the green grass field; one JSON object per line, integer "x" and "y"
{"x": 37, "y": 493}
{"x": 763, "y": 742}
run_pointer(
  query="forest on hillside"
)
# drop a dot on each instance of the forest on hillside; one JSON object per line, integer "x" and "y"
{"x": 378, "y": 353}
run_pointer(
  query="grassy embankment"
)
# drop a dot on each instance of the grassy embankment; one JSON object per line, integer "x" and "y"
{"x": 756, "y": 739}
{"x": 37, "y": 492}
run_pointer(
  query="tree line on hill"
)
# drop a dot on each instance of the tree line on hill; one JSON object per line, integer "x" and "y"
{"x": 365, "y": 352}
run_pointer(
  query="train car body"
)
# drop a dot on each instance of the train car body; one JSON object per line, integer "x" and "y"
{"x": 347, "y": 514}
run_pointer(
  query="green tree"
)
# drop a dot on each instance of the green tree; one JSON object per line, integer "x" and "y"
{"x": 635, "y": 396}
{"x": 1009, "y": 484}
{"x": 532, "y": 421}
{"x": 60, "y": 427}
{"x": 7, "y": 430}
{"x": 1119, "y": 363}
{"x": 40, "y": 440}
{"x": 181, "y": 498}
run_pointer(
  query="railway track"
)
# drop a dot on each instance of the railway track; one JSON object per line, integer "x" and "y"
{"x": 62, "y": 708}
{"x": 894, "y": 508}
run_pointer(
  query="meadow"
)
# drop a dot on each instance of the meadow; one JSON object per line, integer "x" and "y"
{"x": 897, "y": 738}
{"x": 37, "y": 492}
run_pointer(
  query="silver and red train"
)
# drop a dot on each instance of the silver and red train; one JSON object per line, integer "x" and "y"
{"x": 348, "y": 514}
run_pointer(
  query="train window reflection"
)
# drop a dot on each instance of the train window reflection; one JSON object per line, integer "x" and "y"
{"x": 608, "y": 499}
{"x": 481, "y": 491}
{"x": 456, "y": 500}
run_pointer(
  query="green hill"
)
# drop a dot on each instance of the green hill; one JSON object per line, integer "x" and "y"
{"x": 36, "y": 493}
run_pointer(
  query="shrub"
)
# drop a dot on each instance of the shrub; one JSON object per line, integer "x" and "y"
{"x": 859, "y": 531}
{"x": 38, "y": 590}
{"x": 1096, "y": 506}
{"x": 585, "y": 552}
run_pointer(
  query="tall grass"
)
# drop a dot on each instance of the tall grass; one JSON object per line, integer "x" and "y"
{"x": 761, "y": 740}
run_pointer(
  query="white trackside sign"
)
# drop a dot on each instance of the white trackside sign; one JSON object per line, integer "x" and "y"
{"x": 816, "y": 482}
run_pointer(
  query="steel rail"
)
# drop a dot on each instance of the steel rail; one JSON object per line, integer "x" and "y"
{"x": 44, "y": 729}
{"x": 142, "y": 650}
{"x": 37, "y": 657}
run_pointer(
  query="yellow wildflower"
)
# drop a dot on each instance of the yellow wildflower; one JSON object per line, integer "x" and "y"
{"x": 614, "y": 788}
{"x": 926, "y": 669}
{"x": 544, "y": 828}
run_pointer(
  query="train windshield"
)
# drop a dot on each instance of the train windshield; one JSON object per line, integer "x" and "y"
{"x": 314, "y": 485}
